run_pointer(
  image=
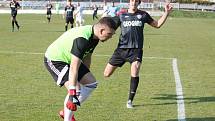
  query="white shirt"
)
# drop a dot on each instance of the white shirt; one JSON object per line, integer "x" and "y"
{"x": 79, "y": 12}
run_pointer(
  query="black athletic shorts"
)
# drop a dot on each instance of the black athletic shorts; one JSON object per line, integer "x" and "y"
{"x": 70, "y": 20}
{"x": 60, "y": 71}
{"x": 122, "y": 55}
{"x": 13, "y": 13}
{"x": 49, "y": 13}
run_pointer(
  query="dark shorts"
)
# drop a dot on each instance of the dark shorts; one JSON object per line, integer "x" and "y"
{"x": 49, "y": 13}
{"x": 13, "y": 14}
{"x": 122, "y": 55}
{"x": 94, "y": 13}
{"x": 70, "y": 20}
{"x": 60, "y": 71}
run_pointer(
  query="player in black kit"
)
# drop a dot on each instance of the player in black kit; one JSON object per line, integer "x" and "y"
{"x": 69, "y": 10}
{"x": 95, "y": 10}
{"x": 14, "y": 5}
{"x": 130, "y": 46}
{"x": 49, "y": 12}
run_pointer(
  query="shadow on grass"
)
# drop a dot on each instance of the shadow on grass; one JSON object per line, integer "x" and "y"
{"x": 169, "y": 97}
{"x": 196, "y": 119}
{"x": 187, "y": 99}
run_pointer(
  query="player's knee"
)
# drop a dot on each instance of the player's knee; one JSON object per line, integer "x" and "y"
{"x": 106, "y": 74}
{"x": 86, "y": 90}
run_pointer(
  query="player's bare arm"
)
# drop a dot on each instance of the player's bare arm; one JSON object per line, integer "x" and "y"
{"x": 161, "y": 21}
{"x": 73, "y": 73}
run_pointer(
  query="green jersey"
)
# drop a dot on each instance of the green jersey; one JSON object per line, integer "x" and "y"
{"x": 77, "y": 41}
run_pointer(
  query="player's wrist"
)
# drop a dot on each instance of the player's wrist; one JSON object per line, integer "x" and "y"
{"x": 166, "y": 13}
{"x": 72, "y": 90}
{"x": 71, "y": 87}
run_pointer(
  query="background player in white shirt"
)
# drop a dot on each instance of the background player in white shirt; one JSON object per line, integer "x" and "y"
{"x": 79, "y": 17}
{"x": 105, "y": 10}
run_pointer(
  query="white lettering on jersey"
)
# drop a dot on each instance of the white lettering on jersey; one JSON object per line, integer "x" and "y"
{"x": 12, "y": 5}
{"x": 132, "y": 23}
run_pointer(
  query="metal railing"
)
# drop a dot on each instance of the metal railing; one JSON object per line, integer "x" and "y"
{"x": 38, "y": 5}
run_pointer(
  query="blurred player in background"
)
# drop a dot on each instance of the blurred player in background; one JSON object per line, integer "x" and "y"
{"x": 68, "y": 14}
{"x": 130, "y": 46}
{"x": 95, "y": 10}
{"x": 105, "y": 10}
{"x": 49, "y": 12}
{"x": 68, "y": 60}
{"x": 113, "y": 10}
{"x": 14, "y": 6}
{"x": 57, "y": 7}
{"x": 79, "y": 17}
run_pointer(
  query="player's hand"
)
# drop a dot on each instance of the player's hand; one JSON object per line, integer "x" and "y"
{"x": 72, "y": 101}
{"x": 168, "y": 8}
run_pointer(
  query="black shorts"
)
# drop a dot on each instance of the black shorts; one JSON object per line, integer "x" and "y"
{"x": 49, "y": 13}
{"x": 94, "y": 13}
{"x": 13, "y": 14}
{"x": 60, "y": 71}
{"x": 70, "y": 20}
{"x": 122, "y": 55}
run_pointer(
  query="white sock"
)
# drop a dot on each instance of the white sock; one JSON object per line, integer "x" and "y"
{"x": 67, "y": 112}
{"x": 86, "y": 90}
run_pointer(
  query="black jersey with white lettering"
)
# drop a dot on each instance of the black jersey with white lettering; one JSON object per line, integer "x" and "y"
{"x": 132, "y": 25}
{"x": 69, "y": 10}
{"x": 49, "y": 6}
{"x": 95, "y": 10}
{"x": 14, "y": 6}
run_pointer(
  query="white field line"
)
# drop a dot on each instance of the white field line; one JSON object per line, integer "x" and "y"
{"x": 143, "y": 57}
{"x": 179, "y": 92}
{"x": 37, "y": 53}
{"x": 25, "y": 53}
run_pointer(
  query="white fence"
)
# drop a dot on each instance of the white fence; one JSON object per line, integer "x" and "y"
{"x": 38, "y": 5}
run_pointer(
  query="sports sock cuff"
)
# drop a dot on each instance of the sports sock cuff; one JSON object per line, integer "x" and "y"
{"x": 92, "y": 85}
{"x": 136, "y": 79}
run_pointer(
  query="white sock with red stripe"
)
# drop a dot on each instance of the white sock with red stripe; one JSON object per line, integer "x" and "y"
{"x": 67, "y": 113}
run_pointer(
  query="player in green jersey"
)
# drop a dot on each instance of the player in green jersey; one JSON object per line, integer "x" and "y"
{"x": 68, "y": 60}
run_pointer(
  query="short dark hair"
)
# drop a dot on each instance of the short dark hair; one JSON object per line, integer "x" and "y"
{"x": 109, "y": 22}
{"x": 139, "y": 1}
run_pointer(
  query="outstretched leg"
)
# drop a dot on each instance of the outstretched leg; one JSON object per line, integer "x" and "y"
{"x": 109, "y": 69}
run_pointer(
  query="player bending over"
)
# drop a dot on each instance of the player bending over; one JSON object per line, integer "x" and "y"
{"x": 68, "y": 60}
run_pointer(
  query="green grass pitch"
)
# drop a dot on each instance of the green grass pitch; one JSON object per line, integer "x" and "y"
{"x": 28, "y": 93}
